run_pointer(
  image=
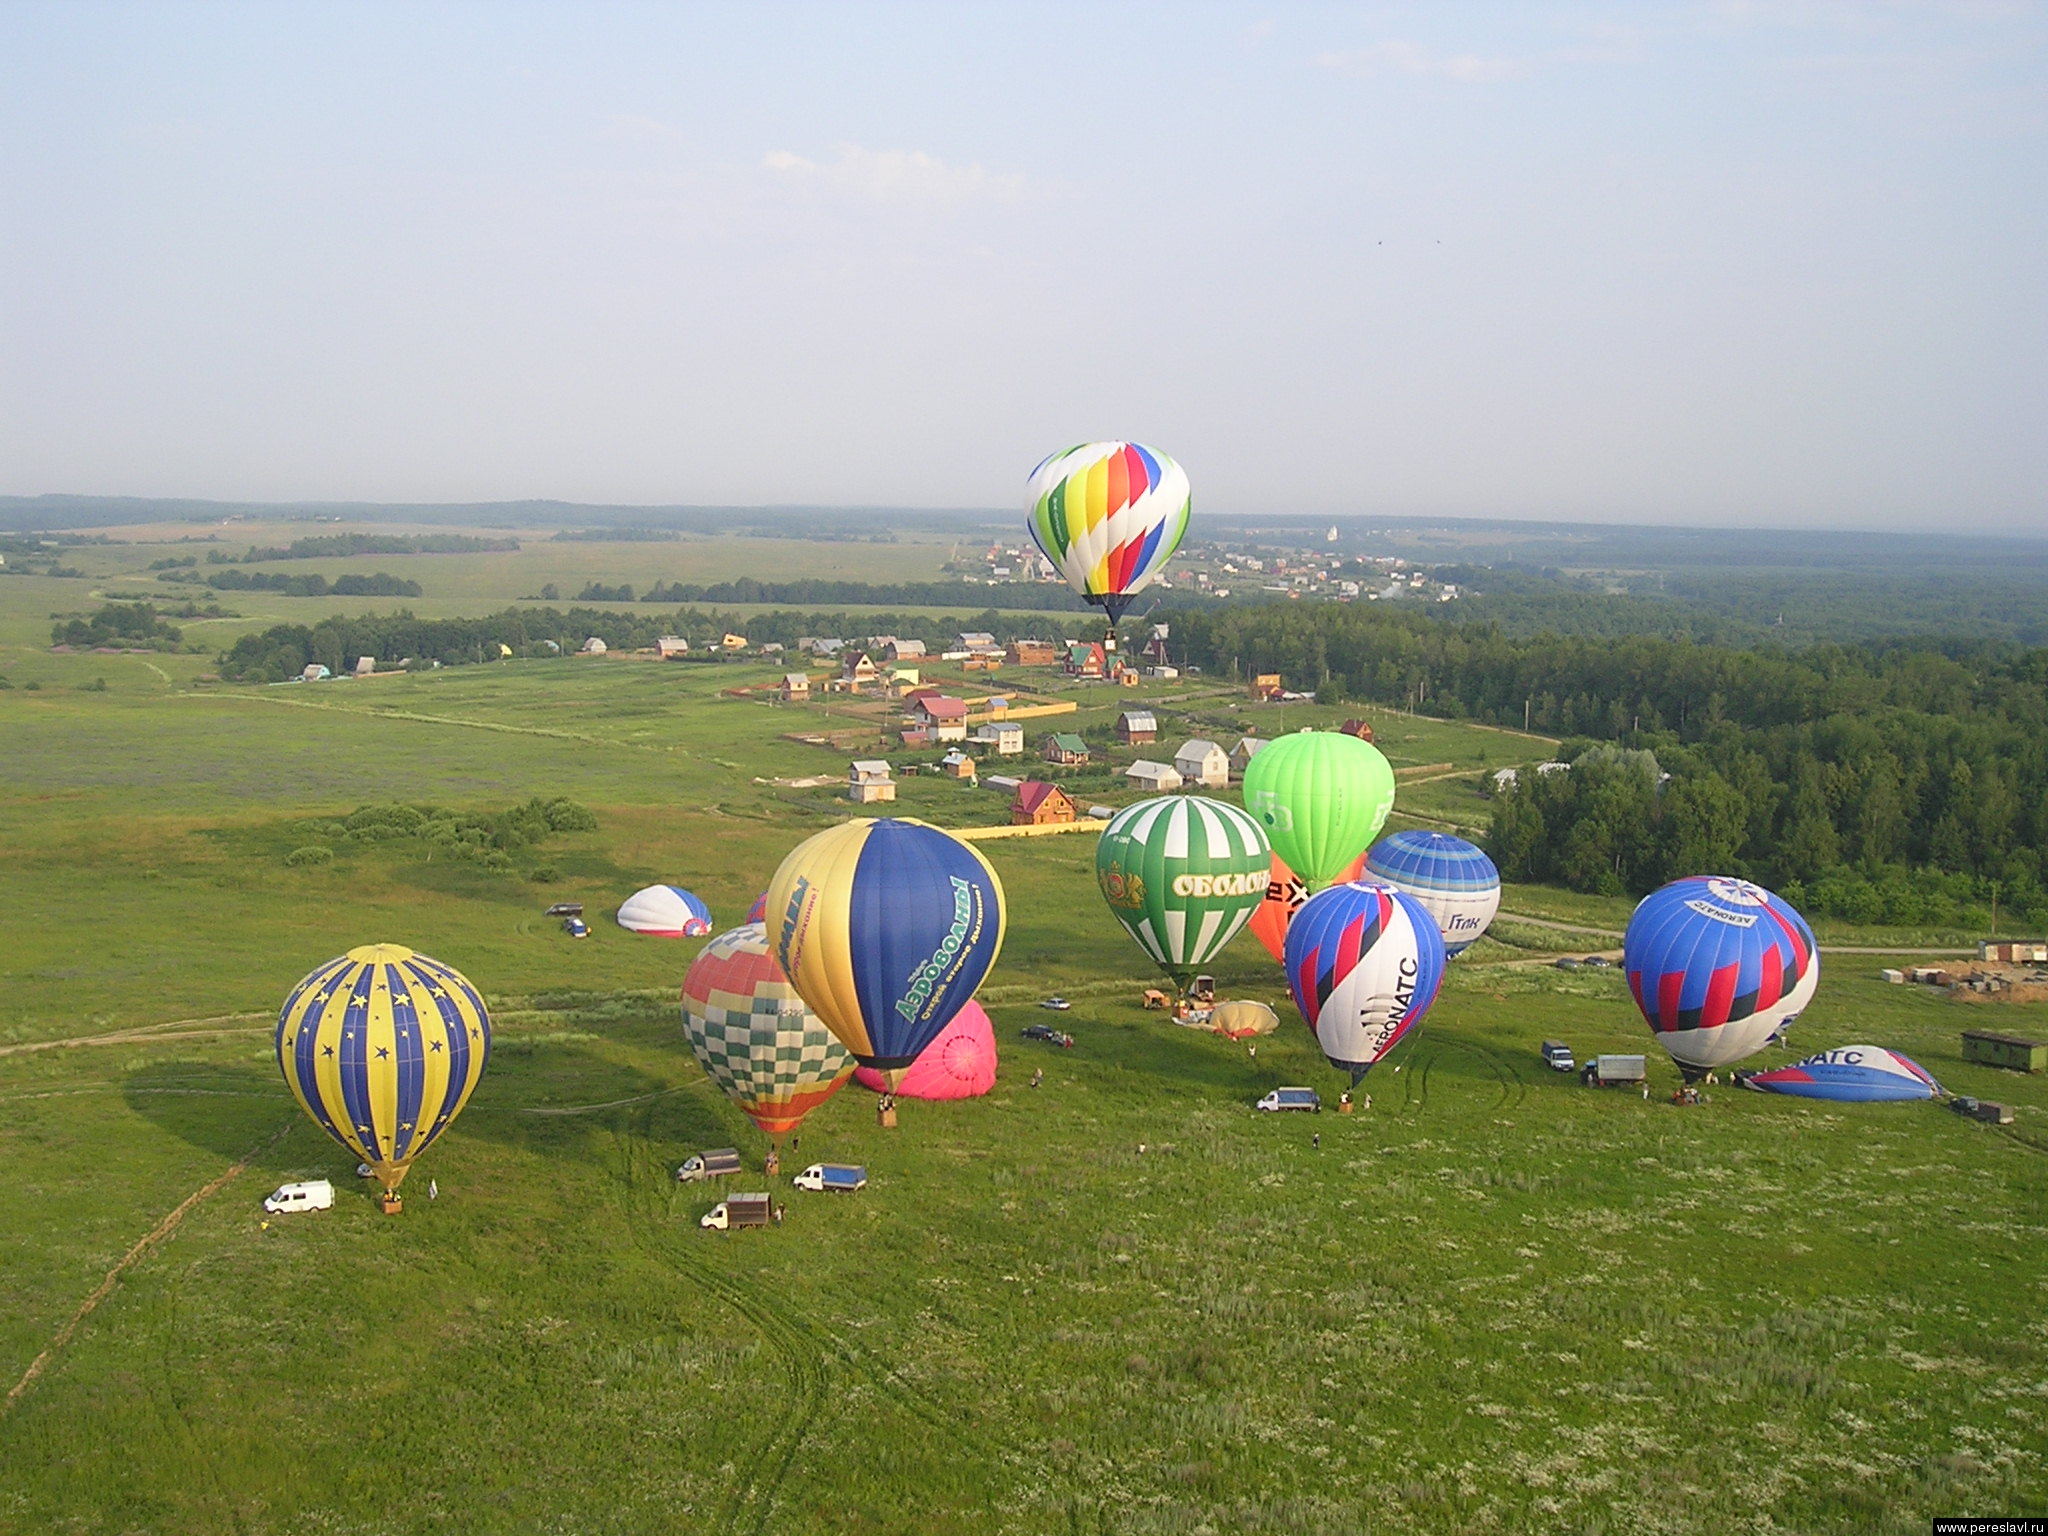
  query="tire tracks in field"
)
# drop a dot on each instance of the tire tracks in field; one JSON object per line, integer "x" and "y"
{"x": 1507, "y": 1076}
{"x": 808, "y": 1355}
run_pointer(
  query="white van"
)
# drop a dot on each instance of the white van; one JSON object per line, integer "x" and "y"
{"x": 309, "y": 1195}
{"x": 1291, "y": 1098}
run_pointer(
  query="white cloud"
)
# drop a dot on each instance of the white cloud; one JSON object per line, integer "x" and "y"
{"x": 1407, "y": 59}
{"x": 894, "y": 176}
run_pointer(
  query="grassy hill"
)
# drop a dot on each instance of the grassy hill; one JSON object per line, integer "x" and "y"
{"x": 1494, "y": 1300}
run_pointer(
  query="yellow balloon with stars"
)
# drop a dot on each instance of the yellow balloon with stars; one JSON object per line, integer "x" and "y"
{"x": 382, "y": 1047}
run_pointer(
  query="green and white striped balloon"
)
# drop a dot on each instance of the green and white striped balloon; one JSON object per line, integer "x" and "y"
{"x": 1183, "y": 874}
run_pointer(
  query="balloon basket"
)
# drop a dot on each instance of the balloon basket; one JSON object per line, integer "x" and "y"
{"x": 1343, "y": 1106}
{"x": 393, "y": 1202}
{"x": 772, "y": 1163}
{"x": 886, "y": 1116}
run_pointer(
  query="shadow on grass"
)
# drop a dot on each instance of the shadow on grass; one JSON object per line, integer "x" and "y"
{"x": 222, "y": 1109}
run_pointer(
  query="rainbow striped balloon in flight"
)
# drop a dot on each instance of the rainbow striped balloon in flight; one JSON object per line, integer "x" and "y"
{"x": 1108, "y": 515}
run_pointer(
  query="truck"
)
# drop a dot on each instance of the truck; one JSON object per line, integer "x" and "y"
{"x": 306, "y": 1195}
{"x": 1614, "y": 1071}
{"x": 739, "y": 1211}
{"x": 843, "y": 1177}
{"x": 1981, "y": 1109}
{"x": 717, "y": 1163}
{"x": 1291, "y": 1098}
{"x": 1558, "y": 1056}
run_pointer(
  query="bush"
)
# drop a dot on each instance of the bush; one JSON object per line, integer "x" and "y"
{"x": 312, "y": 853}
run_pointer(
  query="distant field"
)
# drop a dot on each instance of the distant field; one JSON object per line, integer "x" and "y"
{"x": 1492, "y": 1301}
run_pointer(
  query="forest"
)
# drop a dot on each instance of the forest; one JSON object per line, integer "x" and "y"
{"x": 1897, "y": 781}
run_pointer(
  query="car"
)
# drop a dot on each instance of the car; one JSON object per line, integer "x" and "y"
{"x": 1048, "y": 1034}
{"x": 1057, "y": 1003}
{"x": 307, "y": 1195}
{"x": 1565, "y": 963}
{"x": 1598, "y": 962}
{"x": 575, "y": 927}
{"x": 1291, "y": 1098}
{"x": 564, "y": 909}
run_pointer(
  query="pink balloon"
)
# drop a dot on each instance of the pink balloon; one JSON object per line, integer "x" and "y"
{"x": 960, "y": 1064}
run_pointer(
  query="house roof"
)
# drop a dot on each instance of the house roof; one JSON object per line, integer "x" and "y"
{"x": 796, "y": 680}
{"x": 1145, "y": 768}
{"x": 942, "y": 708}
{"x": 1199, "y": 747}
{"x": 1067, "y": 741}
{"x": 908, "y": 647}
{"x": 1250, "y": 746}
{"x": 994, "y": 728}
{"x": 976, "y": 637}
{"x": 1033, "y": 793}
{"x": 1138, "y": 720}
{"x": 956, "y": 757}
{"x": 870, "y": 765}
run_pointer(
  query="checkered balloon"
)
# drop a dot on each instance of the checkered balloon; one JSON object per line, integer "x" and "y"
{"x": 753, "y": 1035}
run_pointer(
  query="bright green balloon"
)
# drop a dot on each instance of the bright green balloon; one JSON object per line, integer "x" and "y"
{"x": 1182, "y": 874}
{"x": 1322, "y": 797}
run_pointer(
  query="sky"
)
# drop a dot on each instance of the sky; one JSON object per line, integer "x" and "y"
{"x": 1762, "y": 263}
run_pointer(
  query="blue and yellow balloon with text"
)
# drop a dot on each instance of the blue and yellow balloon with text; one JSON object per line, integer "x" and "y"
{"x": 885, "y": 928}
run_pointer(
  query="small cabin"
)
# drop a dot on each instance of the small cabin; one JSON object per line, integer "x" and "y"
{"x": 857, "y": 668}
{"x": 1156, "y": 778}
{"x": 672, "y": 647}
{"x": 1039, "y": 804}
{"x": 958, "y": 765}
{"x": 904, "y": 650}
{"x": 1086, "y": 658}
{"x": 1360, "y": 728}
{"x": 1137, "y": 727}
{"x": 1032, "y": 653}
{"x": 732, "y": 642}
{"x": 2008, "y": 1051}
{"x": 1266, "y": 686}
{"x": 796, "y": 688}
{"x": 1241, "y": 755}
{"x": 1202, "y": 762}
{"x": 869, "y": 781}
{"x": 1066, "y": 749}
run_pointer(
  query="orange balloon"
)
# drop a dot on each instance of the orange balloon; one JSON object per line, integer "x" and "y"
{"x": 1284, "y": 895}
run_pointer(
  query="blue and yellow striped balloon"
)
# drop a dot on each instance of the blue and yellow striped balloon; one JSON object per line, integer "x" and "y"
{"x": 382, "y": 1047}
{"x": 885, "y": 928}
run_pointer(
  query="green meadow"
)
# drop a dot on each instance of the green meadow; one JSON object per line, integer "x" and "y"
{"x": 1118, "y": 1302}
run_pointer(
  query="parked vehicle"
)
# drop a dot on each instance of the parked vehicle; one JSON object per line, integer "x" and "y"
{"x": 1614, "y": 1071}
{"x": 1048, "y": 1034}
{"x": 307, "y": 1195}
{"x": 564, "y": 909}
{"x": 1565, "y": 963}
{"x": 717, "y": 1163}
{"x": 739, "y": 1211}
{"x": 1057, "y": 1004}
{"x": 1598, "y": 962}
{"x": 843, "y": 1178}
{"x": 1558, "y": 1056}
{"x": 1981, "y": 1109}
{"x": 1291, "y": 1098}
{"x": 575, "y": 927}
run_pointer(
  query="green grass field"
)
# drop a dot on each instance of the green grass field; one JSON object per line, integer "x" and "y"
{"x": 1493, "y": 1301}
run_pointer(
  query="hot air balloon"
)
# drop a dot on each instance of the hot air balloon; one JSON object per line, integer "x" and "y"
{"x": 1322, "y": 797}
{"x": 1182, "y": 874}
{"x": 886, "y": 928}
{"x": 1853, "y": 1074}
{"x": 1454, "y": 880}
{"x": 1284, "y": 895}
{"x": 1719, "y": 967}
{"x": 960, "y": 1064}
{"x": 1242, "y": 1020}
{"x": 758, "y": 912}
{"x": 665, "y": 912}
{"x": 1364, "y": 962}
{"x": 382, "y": 1047}
{"x": 1107, "y": 516}
{"x": 753, "y": 1035}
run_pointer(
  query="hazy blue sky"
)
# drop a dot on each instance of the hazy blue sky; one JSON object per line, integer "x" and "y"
{"x": 1762, "y": 262}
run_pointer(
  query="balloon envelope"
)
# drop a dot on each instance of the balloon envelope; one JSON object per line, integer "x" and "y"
{"x": 1241, "y": 1020}
{"x": 665, "y": 912}
{"x": 1718, "y": 966}
{"x": 1322, "y": 797}
{"x": 960, "y": 1064}
{"x": 1107, "y": 516}
{"x": 753, "y": 1035}
{"x": 1364, "y": 962}
{"x": 758, "y": 912}
{"x": 886, "y": 928}
{"x": 382, "y": 1047}
{"x": 1850, "y": 1074}
{"x": 1285, "y": 893}
{"x": 1182, "y": 874}
{"x": 1454, "y": 880}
